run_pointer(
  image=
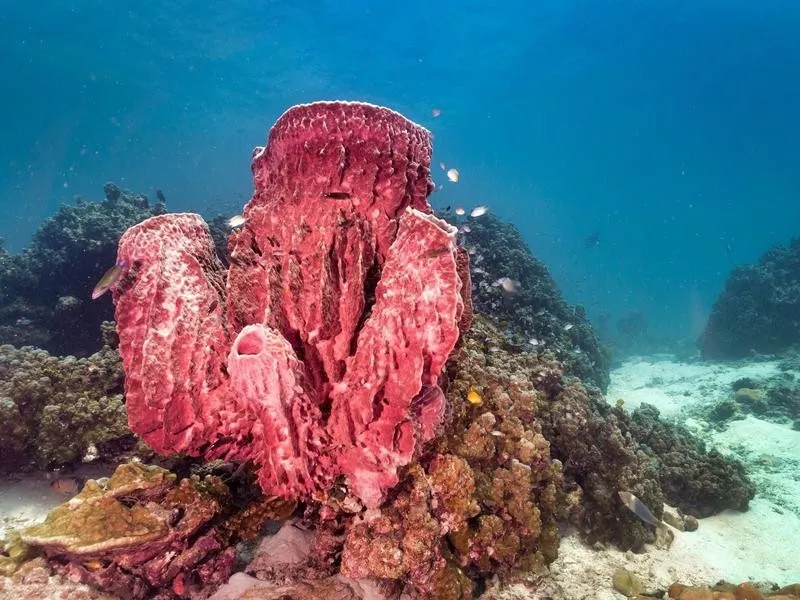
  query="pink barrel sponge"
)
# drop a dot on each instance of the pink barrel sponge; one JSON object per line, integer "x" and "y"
{"x": 319, "y": 352}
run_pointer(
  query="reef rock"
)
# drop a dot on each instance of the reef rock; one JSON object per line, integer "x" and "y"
{"x": 757, "y": 311}
{"x": 318, "y": 352}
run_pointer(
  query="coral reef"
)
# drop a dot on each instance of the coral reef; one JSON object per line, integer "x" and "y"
{"x": 483, "y": 503}
{"x": 319, "y": 353}
{"x": 54, "y": 409}
{"x": 45, "y": 290}
{"x": 699, "y": 482}
{"x": 757, "y": 311}
{"x": 142, "y": 531}
{"x": 532, "y": 308}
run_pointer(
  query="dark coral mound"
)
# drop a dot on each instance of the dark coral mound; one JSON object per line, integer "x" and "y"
{"x": 536, "y": 311}
{"x": 604, "y": 450}
{"x": 759, "y": 309}
{"x": 699, "y": 482}
{"x": 54, "y": 409}
{"x": 45, "y": 290}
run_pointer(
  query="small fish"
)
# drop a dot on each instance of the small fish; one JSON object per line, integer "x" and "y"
{"x": 474, "y": 398}
{"x": 533, "y": 342}
{"x": 109, "y": 279}
{"x": 466, "y": 229}
{"x": 509, "y": 285}
{"x": 23, "y": 321}
{"x": 460, "y": 211}
{"x": 236, "y": 221}
{"x": 568, "y": 326}
{"x": 479, "y": 211}
{"x": 433, "y": 253}
{"x": 453, "y": 175}
{"x": 442, "y": 166}
{"x": 639, "y": 508}
{"x": 436, "y": 112}
{"x": 161, "y": 197}
{"x": 93, "y": 565}
{"x": 68, "y": 486}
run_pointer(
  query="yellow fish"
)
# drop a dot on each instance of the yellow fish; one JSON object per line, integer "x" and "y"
{"x": 474, "y": 398}
{"x": 109, "y": 279}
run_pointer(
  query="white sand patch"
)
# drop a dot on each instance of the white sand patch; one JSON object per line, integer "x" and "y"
{"x": 771, "y": 452}
{"x": 671, "y": 385}
{"x": 760, "y": 544}
{"x": 24, "y": 502}
{"x": 583, "y": 572}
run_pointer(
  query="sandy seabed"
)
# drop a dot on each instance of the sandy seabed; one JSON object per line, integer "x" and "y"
{"x": 761, "y": 544}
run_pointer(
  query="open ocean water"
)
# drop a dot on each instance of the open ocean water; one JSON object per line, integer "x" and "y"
{"x": 668, "y": 129}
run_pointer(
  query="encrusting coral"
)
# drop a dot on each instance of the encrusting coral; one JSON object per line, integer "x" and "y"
{"x": 142, "y": 531}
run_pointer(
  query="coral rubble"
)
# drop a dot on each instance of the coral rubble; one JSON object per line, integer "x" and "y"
{"x": 757, "y": 311}
{"x": 45, "y": 290}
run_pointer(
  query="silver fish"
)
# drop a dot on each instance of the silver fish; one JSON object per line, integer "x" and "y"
{"x": 639, "y": 508}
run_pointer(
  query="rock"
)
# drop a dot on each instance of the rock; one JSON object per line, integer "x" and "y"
{"x": 747, "y": 591}
{"x": 627, "y": 583}
{"x": 792, "y": 589}
{"x": 672, "y": 518}
{"x": 690, "y": 523}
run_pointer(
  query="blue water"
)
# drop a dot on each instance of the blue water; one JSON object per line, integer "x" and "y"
{"x": 668, "y": 128}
